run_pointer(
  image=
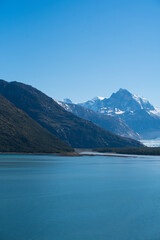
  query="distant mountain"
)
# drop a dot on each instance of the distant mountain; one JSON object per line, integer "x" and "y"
{"x": 118, "y": 103}
{"x": 137, "y": 112}
{"x": 144, "y": 122}
{"x": 20, "y": 133}
{"x": 67, "y": 100}
{"x": 110, "y": 123}
{"x": 77, "y": 132}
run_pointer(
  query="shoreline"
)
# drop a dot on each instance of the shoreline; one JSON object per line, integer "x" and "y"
{"x": 75, "y": 154}
{"x": 81, "y": 153}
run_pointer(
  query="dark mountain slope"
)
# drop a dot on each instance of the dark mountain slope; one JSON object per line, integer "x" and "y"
{"x": 20, "y": 133}
{"x": 77, "y": 132}
{"x": 110, "y": 123}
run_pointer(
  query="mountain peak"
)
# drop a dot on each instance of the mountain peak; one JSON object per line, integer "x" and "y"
{"x": 123, "y": 90}
{"x": 67, "y": 100}
{"x": 120, "y": 102}
{"x": 98, "y": 98}
{"x": 121, "y": 93}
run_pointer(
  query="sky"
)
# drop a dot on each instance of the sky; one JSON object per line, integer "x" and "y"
{"x": 80, "y": 49}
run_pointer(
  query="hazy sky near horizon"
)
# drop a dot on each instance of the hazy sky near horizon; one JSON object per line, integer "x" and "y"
{"x": 83, "y": 48}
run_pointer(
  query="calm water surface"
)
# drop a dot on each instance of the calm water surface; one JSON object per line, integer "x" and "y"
{"x": 79, "y": 198}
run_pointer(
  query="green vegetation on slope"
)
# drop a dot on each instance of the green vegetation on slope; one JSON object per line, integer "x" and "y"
{"x": 20, "y": 133}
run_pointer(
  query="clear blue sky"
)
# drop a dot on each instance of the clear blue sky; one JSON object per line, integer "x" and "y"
{"x": 82, "y": 48}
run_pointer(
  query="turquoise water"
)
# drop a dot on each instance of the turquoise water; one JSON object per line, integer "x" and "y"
{"x": 79, "y": 198}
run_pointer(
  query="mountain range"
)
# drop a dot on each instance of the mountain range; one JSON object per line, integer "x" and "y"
{"x": 120, "y": 102}
{"x": 137, "y": 112}
{"x": 59, "y": 126}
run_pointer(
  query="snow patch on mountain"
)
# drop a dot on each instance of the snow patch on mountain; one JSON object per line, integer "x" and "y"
{"x": 138, "y": 99}
{"x": 118, "y": 111}
{"x": 143, "y": 102}
{"x": 98, "y": 98}
{"x": 156, "y": 111}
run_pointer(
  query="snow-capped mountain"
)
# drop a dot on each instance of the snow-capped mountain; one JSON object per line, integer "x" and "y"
{"x": 118, "y": 103}
{"x": 137, "y": 112}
